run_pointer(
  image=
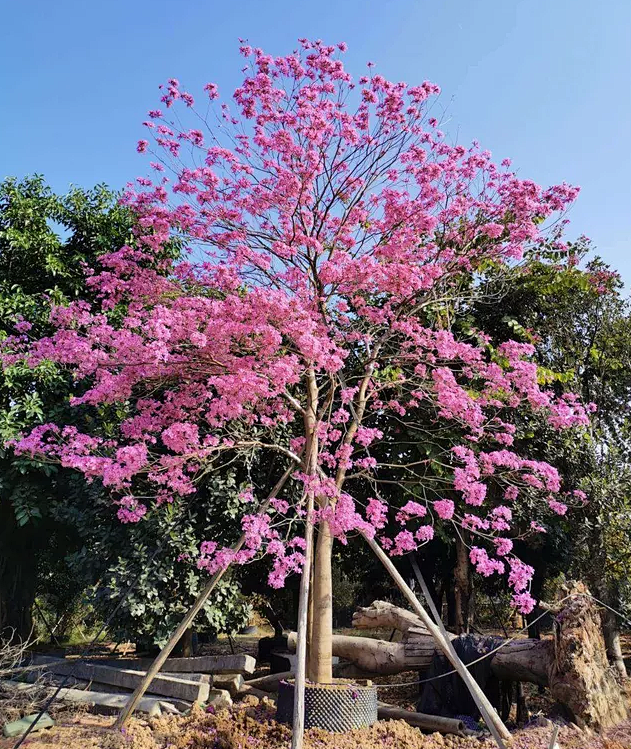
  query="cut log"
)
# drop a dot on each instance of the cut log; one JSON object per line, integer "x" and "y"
{"x": 374, "y": 656}
{"x": 574, "y": 665}
{"x": 206, "y": 664}
{"x": 383, "y": 614}
{"x": 421, "y": 720}
{"x": 193, "y": 690}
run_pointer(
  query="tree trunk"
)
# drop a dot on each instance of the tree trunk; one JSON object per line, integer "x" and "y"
{"x": 448, "y": 585}
{"x": 462, "y": 587}
{"x": 534, "y": 619}
{"x": 185, "y": 645}
{"x": 321, "y": 655}
{"x": 18, "y": 581}
{"x": 611, "y": 633}
{"x": 580, "y": 677}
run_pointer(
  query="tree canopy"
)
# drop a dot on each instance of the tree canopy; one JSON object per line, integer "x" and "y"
{"x": 332, "y": 234}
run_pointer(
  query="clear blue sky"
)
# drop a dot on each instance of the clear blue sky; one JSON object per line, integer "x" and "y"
{"x": 545, "y": 82}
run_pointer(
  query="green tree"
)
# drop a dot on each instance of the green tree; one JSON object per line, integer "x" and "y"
{"x": 583, "y": 344}
{"x": 60, "y": 539}
{"x": 45, "y": 242}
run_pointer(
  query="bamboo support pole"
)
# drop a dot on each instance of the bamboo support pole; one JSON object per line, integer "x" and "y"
{"x": 298, "y": 726}
{"x": 489, "y": 714}
{"x": 201, "y": 599}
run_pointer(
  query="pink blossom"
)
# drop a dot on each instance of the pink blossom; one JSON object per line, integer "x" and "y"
{"x": 424, "y": 533}
{"x": 377, "y": 512}
{"x": 315, "y": 223}
{"x": 130, "y": 510}
{"x": 524, "y": 602}
{"x": 558, "y": 507}
{"x": 503, "y": 546}
{"x": 483, "y": 563}
{"x": 492, "y": 230}
{"x": 444, "y": 508}
{"x": 410, "y": 510}
{"x": 403, "y": 542}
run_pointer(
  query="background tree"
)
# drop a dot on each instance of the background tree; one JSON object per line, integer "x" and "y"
{"x": 60, "y": 539}
{"x": 45, "y": 241}
{"x": 572, "y": 309}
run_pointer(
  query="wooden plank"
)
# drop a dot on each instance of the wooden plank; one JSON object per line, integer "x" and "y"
{"x": 104, "y": 700}
{"x": 206, "y": 664}
{"x": 193, "y": 690}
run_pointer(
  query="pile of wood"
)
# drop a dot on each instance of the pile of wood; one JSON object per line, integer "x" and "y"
{"x": 572, "y": 664}
{"x": 106, "y": 684}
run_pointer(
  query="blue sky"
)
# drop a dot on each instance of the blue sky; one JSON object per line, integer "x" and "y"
{"x": 546, "y": 83}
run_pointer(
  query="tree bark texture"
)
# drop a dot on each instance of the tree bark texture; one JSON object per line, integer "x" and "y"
{"x": 321, "y": 657}
{"x": 462, "y": 587}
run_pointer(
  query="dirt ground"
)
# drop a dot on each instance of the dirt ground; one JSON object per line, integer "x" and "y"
{"x": 251, "y": 725}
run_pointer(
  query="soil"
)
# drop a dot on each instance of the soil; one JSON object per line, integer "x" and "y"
{"x": 251, "y": 725}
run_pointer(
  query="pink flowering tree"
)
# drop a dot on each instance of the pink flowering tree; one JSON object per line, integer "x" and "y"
{"x": 331, "y": 233}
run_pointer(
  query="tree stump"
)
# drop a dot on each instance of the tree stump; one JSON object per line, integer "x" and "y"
{"x": 580, "y": 677}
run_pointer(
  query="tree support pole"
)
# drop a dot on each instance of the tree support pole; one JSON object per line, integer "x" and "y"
{"x": 298, "y": 725}
{"x": 491, "y": 718}
{"x": 140, "y": 690}
{"x": 428, "y": 598}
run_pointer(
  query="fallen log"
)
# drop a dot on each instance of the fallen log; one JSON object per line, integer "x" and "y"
{"x": 573, "y": 664}
{"x": 421, "y": 720}
{"x": 377, "y": 656}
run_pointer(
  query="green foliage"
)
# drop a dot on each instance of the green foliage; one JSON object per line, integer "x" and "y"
{"x": 45, "y": 242}
{"x": 575, "y": 315}
{"x": 156, "y": 559}
{"x": 60, "y": 538}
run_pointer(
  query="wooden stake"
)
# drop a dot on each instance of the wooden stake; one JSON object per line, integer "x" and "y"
{"x": 488, "y": 712}
{"x": 298, "y": 727}
{"x": 445, "y": 634}
{"x": 201, "y": 599}
{"x": 428, "y": 597}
